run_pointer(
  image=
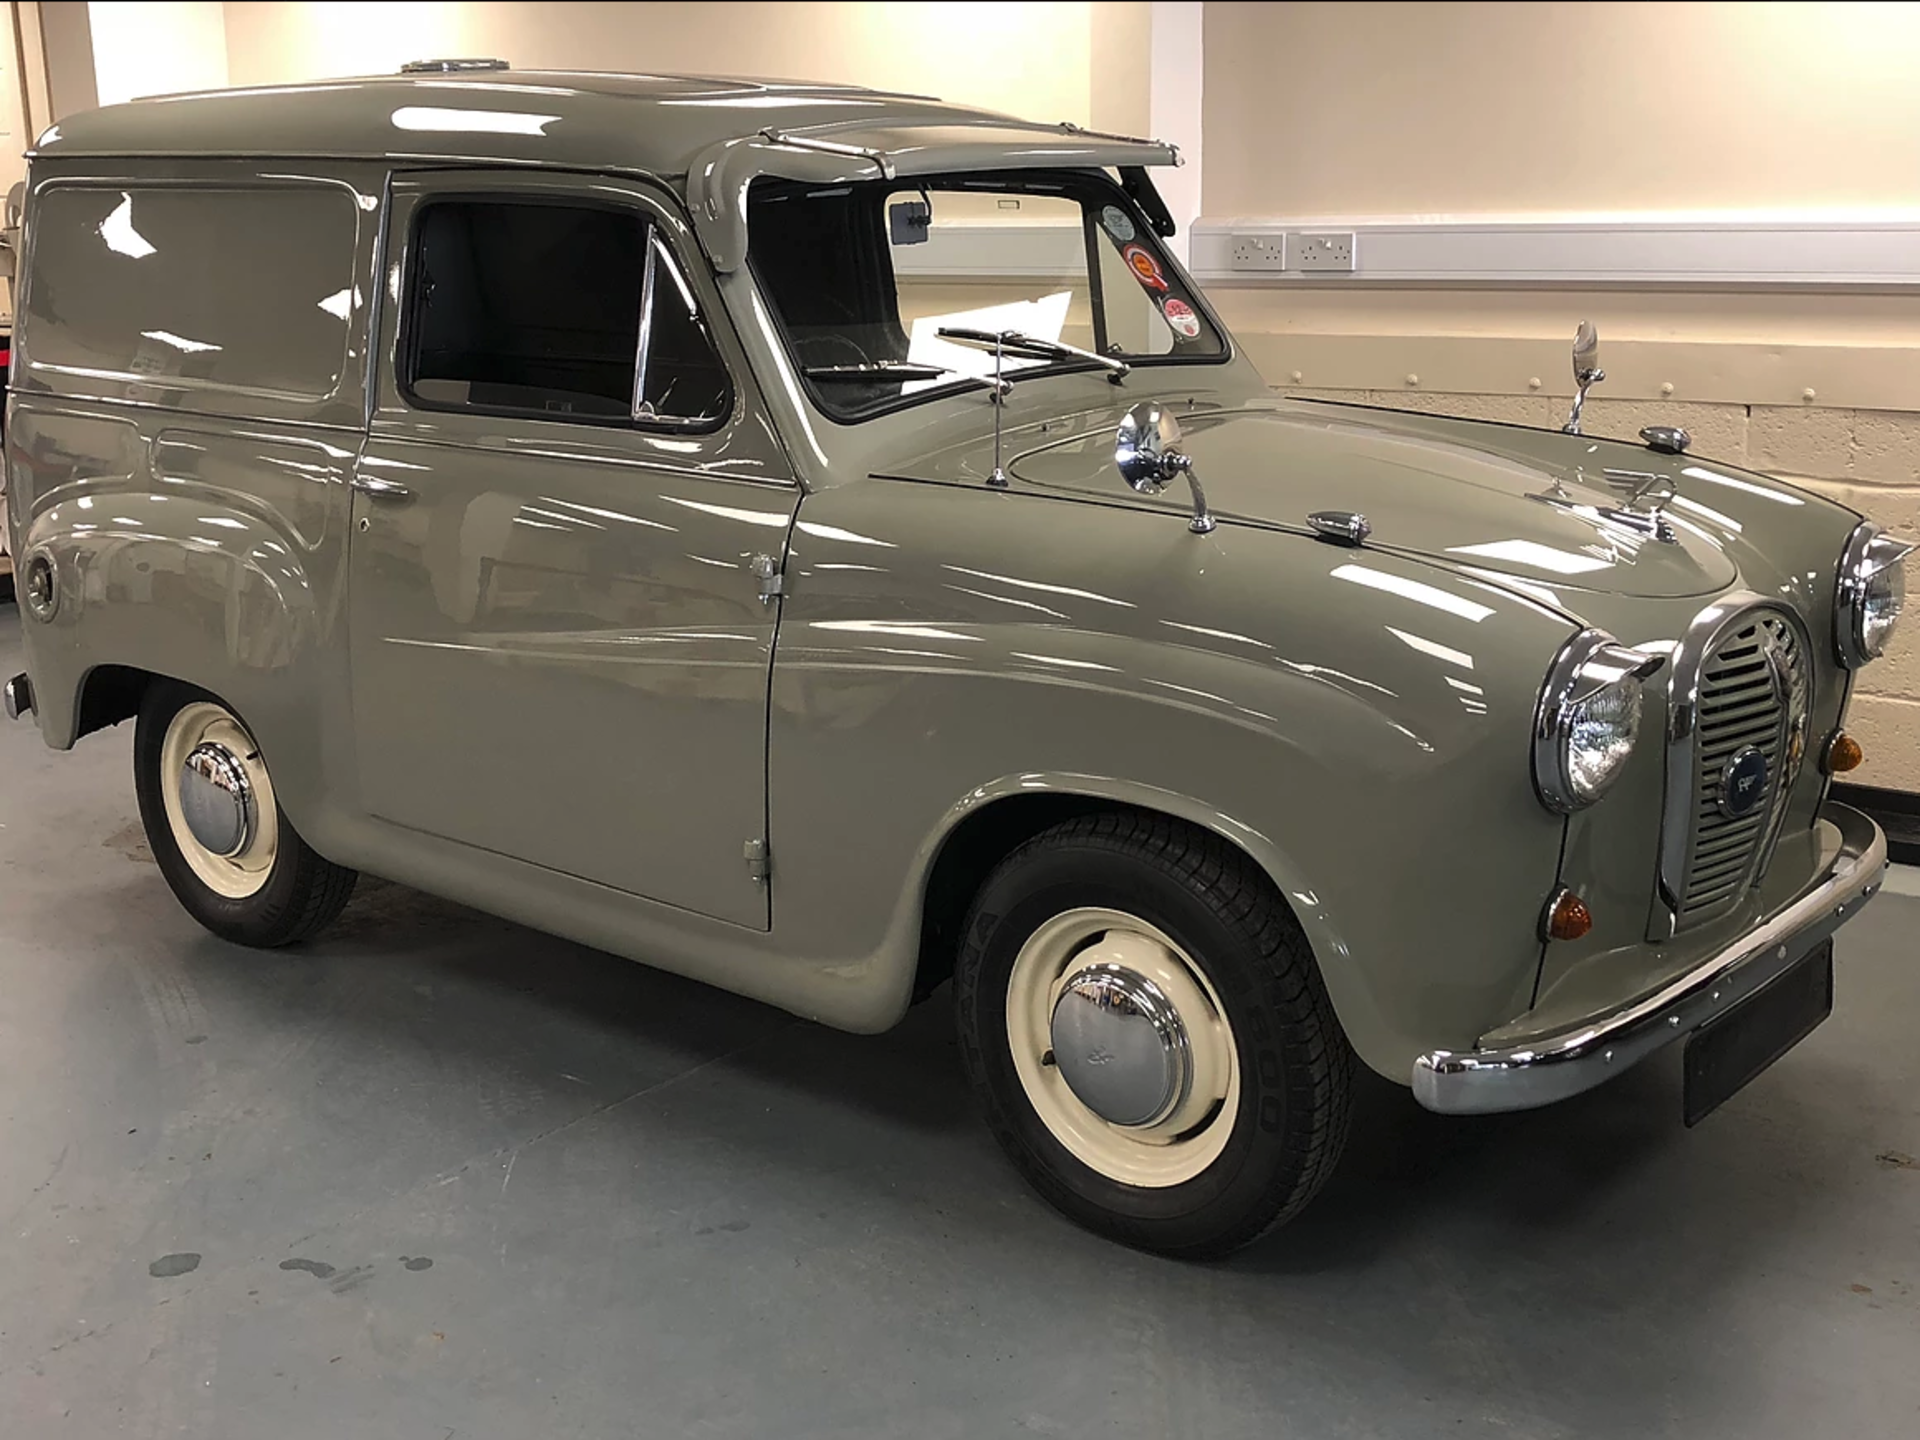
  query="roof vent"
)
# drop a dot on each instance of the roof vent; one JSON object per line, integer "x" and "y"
{"x": 451, "y": 67}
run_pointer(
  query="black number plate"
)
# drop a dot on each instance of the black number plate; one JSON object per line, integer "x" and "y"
{"x": 1731, "y": 1049}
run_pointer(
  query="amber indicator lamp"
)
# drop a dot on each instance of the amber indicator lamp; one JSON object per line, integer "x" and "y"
{"x": 1843, "y": 753}
{"x": 1567, "y": 917}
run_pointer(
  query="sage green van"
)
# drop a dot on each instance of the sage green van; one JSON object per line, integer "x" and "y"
{"x": 822, "y": 542}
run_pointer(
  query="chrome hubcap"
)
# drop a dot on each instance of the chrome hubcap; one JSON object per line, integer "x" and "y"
{"x": 216, "y": 800}
{"x": 1120, "y": 1046}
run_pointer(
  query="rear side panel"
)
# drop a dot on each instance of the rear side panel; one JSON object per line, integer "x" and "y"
{"x": 187, "y": 405}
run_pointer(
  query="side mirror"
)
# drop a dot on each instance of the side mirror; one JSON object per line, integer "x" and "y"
{"x": 1146, "y": 448}
{"x": 1586, "y": 372}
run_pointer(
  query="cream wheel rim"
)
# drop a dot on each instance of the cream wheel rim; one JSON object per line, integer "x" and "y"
{"x": 245, "y": 872}
{"x": 1186, "y": 1133}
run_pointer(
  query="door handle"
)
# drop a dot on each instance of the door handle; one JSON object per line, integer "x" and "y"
{"x": 375, "y": 488}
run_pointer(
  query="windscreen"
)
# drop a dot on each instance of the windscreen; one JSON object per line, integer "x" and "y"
{"x": 862, "y": 278}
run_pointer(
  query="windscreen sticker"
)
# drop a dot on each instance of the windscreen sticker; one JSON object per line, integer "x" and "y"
{"x": 1116, "y": 223}
{"x": 1146, "y": 269}
{"x": 1181, "y": 317}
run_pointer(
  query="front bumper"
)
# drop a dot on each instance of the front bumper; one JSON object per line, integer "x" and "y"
{"x": 1523, "y": 1077}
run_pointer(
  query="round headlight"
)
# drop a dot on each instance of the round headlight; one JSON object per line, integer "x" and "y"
{"x": 1588, "y": 719}
{"x": 1870, "y": 594}
{"x": 1880, "y": 606}
{"x": 1600, "y": 736}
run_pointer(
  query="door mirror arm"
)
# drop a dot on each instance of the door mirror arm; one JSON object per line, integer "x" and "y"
{"x": 1146, "y": 450}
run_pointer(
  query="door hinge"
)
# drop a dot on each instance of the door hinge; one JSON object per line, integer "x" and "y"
{"x": 766, "y": 569}
{"x": 759, "y": 861}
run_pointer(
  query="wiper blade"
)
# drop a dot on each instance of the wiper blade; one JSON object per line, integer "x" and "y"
{"x": 882, "y": 372}
{"x": 879, "y": 370}
{"x": 1030, "y": 347}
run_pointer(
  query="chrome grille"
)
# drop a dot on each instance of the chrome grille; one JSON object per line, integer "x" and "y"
{"x": 1753, "y": 692}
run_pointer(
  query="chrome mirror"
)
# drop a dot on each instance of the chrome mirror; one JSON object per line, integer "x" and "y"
{"x": 1586, "y": 371}
{"x": 1146, "y": 448}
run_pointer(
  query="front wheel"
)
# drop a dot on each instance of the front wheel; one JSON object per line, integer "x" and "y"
{"x": 1143, "y": 1023}
{"x": 234, "y": 861}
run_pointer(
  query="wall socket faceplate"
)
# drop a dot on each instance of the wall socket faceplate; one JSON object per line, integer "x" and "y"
{"x": 1273, "y": 251}
{"x": 1259, "y": 252}
{"x": 1322, "y": 249}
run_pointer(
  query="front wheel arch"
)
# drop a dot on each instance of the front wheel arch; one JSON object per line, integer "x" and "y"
{"x": 998, "y": 819}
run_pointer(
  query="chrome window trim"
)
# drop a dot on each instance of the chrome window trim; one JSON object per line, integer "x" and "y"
{"x": 1869, "y": 551}
{"x": 643, "y": 343}
{"x": 1586, "y": 664}
{"x": 660, "y": 254}
{"x": 1690, "y": 654}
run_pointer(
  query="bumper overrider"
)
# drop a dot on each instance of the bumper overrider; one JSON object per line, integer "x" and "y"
{"x": 1554, "y": 1067}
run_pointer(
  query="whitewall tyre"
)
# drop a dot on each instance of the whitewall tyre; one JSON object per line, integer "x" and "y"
{"x": 1143, "y": 1023}
{"x": 215, "y": 826}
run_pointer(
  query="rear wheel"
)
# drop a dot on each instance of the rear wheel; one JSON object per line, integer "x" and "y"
{"x": 1143, "y": 1022}
{"x": 215, "y": 826}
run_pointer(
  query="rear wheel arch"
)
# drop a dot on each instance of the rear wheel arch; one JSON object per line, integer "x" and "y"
{"x": 110, "y": 694}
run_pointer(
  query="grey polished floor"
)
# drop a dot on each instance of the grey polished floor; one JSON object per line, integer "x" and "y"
{"x": 436, "y": 1176}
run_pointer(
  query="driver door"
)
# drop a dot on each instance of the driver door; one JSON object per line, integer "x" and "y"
{"x": 559, "y": 649}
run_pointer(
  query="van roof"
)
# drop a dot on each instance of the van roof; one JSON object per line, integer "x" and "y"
{"x": 645, "y": 124}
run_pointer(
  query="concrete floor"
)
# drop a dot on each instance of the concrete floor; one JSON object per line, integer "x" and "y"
{"x": 437, "y": 1176}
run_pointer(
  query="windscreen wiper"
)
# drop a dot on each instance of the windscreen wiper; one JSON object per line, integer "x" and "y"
{"x": 1031, "y": 347}
{"x": 883, "y": 372}
{"x": 879, "y": 370}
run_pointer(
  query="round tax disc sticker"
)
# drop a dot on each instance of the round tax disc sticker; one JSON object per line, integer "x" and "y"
{"x": 1181, "y": 317}
{"x": 1145, "y": 268}
{"x": 1116, "y": 222}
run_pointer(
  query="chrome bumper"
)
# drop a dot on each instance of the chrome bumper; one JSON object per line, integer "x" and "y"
{"x": 1522, "y": 1077}
{"x": 18, "y": 697}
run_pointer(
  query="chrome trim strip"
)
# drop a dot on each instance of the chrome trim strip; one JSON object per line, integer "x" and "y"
{"x": 1683, "y": 711}
{"x": 1795, "y": 729}
{"x": 1072, "y": 129}
{"x": 1522, "y": 1077}
{"x": 643, "y": 342}
{"x": 881, "y": 160}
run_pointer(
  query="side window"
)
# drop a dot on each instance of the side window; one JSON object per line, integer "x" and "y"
{"x": 559, "y": 311}
{"x": 194, "y": 286}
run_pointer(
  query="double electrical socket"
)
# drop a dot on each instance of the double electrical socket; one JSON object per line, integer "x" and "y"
{"x": 1302, "y": 250}
{"x": 1259, "y": 252}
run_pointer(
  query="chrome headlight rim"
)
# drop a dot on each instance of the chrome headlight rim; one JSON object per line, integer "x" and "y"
{"x": 1589, "y": 664}
{"x": 1870, "y": 553}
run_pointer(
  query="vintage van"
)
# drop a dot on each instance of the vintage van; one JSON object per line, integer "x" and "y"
{"x": 822, "y": 542}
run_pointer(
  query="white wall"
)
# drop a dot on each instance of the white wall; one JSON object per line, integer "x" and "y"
{"x": 1031, "y": 60}
{"x": 157, "y": 49}
{"x": 1451, "y": 108}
